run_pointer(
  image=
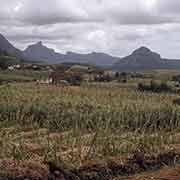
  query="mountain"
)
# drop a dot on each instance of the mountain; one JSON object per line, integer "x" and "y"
{"x": 39, "y": 52}
{"x": 6, "y": 46}
{"x": 145, "y": 59}
{"x": 141, "y": 59}
{"x": 94, "y": 58}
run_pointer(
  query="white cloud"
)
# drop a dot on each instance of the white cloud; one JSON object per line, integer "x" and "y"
{"x": 115, "y": 26}
{"x": 40, "y": 12}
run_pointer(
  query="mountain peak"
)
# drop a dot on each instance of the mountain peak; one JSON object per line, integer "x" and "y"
{"x": 36, "y": 46}
{"x": 142, "y": 50}
{"x": 38, "y": 51}
{"x": 39, "y": 43}
{"x": 141, "y": 59}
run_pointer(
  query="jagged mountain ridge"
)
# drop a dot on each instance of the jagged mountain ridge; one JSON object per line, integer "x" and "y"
{"x": 100, "y": 59}
{"x": 144, "y": 59}
{"x": 38, "y": 52}
{"x": 141, "y": 59}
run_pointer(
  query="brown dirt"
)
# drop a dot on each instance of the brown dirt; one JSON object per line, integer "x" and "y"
{"x": 165, "y": 173}
{"x": 31, "y": 134}
{"x": 112, "y": 168}
{"x": 25, "y": 170}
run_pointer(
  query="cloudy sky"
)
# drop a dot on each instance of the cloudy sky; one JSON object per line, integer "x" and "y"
{"x": 112, "y": 26}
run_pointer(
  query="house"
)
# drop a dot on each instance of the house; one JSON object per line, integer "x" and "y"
{"x": 11, "y": 68}
{"x": 56, "y": 77}
{"x": 73, "y": 74}
{"x": 76, "y": 74}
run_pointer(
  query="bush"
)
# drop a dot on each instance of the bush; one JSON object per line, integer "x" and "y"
{"x": 154, "y": 87}
{"x": 176, "y": 78}
{"x": 74, "y": 80}
{"x": 176, "y": 101}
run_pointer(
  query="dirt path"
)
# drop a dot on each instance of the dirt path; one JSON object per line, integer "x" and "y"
{"x": 165, "y": 173}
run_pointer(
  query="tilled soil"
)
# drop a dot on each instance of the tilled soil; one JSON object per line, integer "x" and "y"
{"x": 112, "y": 169}
{"x": 166, "y": 173}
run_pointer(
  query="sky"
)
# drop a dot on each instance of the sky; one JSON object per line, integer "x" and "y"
{"x": 116, "y": 27}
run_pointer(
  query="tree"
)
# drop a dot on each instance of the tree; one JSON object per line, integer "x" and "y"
{"x": 117, "y": 75}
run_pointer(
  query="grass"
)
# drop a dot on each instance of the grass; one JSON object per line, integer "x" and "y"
{"x": 21, "y": 75}
{"x": 93, "y": 122}
{"x": 164, "y": 75}
{"x": 77, "y": 124}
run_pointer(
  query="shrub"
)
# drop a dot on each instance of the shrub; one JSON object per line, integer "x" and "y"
{"x": 154, "y": 87}
{"x": 176, "y": 101}
{"x": 176, "y": 78}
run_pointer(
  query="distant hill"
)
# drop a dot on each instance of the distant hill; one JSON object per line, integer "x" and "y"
{"x": 94, "y": 58}
{"x": 6, "y": 46}
{"x": 141, "y": 59}
{"x": 39, "y": 52}
{"x": 145, "y": 59}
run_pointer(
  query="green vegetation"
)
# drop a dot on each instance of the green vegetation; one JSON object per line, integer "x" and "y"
{"x": 155, "y": 87}
{"x": 7, "y": 60}
{"x": 107, "y": 121}
{"x": 21, "y": 75}
{"x": 93, "y": 121}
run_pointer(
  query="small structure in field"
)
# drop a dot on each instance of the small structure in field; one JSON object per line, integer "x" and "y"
{"x": 75, "y": 74}
{"x": 71, "y": 75}
{"x": 11, "y": 68}
{"x": 68, "y": 74}
{"x": 46, "y": 82}
{"x": 14, "y": 67}
{"x": 57, "y": 77}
